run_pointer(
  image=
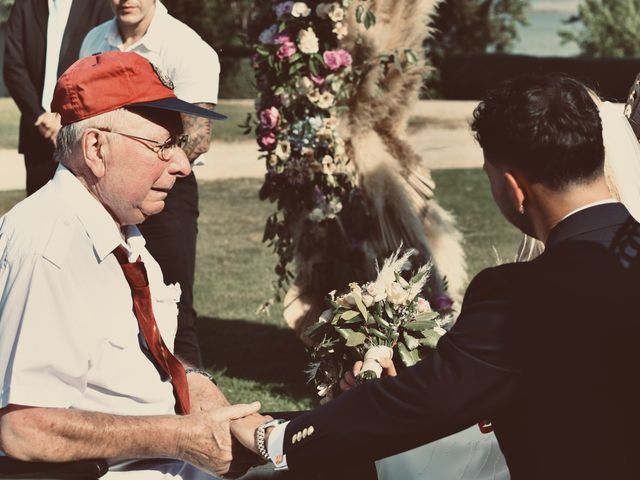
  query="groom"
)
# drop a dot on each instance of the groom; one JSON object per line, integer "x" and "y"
{"x": 547, "y": 350}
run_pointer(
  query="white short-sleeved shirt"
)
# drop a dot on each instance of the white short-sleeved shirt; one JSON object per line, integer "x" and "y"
{"x": 68, "y": 334}
{"x": 191, "y": 64}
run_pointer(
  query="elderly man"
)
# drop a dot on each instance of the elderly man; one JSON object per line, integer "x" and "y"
{"x": 145, "y": 27}
{"x": 86, "y": 320}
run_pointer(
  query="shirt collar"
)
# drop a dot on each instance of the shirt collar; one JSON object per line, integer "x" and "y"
{"x": 98, "y": 223}
{"x": 592, "y": 204}
{"x": 151, "y": 40}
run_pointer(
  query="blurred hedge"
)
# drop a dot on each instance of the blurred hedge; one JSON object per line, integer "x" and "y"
{"x": 236, "y": 77}
{"x": 467, "y": 77}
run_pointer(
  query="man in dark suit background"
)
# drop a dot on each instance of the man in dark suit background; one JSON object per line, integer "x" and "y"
{"x": 547, "y": 349}
{"x": 25, "y": 63}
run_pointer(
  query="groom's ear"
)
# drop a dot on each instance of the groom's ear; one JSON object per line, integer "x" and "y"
{"x": 516, "y": 188}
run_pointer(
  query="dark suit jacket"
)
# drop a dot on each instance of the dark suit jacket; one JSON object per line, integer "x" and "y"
{"x": 25, "y": 52}
{"x": 548, "y": 350}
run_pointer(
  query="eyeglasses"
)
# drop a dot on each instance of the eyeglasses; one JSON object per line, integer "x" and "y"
{"x": 164, "y": 150}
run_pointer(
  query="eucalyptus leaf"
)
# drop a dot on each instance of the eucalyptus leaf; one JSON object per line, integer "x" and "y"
{"x": 356, "y": 339}
{"x": 427, "y": 316}
{"x": 410, "y": 341}
{"x": 430, "y": 339}
{"x": 363, "y": 310}
{"x": 408, "y": 357}
{"x": 359, "y": 13}
{"x": 389, "y": 310}
{"x": 420, "y": 325}
{"x": 313, "y": 67}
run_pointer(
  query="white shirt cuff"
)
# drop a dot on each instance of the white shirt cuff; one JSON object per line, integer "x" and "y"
{"x": 275, "y": 447}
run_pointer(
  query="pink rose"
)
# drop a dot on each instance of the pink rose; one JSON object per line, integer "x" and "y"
{"x": 267, "y": 141}
{"x": 281, "y": 39}
{"x": 345, "y": 57}
{"x": 317, "y": 80}
{"x": 331, "y": 59}
{"x": 286, "y": 50}
{"x": 270, "y": 118}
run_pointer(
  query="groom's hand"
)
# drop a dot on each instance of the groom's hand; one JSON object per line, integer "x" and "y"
{"x": 349, "y": 380}
{"x": 244, "y": 430}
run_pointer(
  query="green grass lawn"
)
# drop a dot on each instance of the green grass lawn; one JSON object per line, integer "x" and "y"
{"x": 258, "y": 357}
{"x": 227, "y": 131}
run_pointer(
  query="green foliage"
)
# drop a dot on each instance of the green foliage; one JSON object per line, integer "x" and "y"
{"x": 473, "y": 27}
{"x": 5, "y": 9}
{"x": 221, "y": 23}
{"x": 609, "y": 28}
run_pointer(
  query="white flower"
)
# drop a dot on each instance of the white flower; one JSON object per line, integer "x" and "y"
{"x": 336, "y": 12}
{"x": 335, "y": 207}
{"x": 285, "y": 99}
{"x": 300, "y": 9}
{"x": 323, "y": 389}
{"x": 322, "y": 10}
{"x": 328, "y": 167}
{"x": 326, "y": 100}
{"x": 367, "y": 300}
{"x": 304, "y": 85}
{"x": 268, "y": 34}
{"x": 316, "y": 123}
{"x": 439, "y": 330}
{"x": 283, "y": 150}
{"x": 341, "y": 30}
{"x": 377, "y": 291}
{"x": 308, "y": 41}
{"x": 317, "y": 215}
{"x": 396, "y": 294}
{"x": 314, "y": 96}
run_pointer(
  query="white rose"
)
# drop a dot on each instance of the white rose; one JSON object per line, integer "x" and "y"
{"x": 326, "y": 100}
{"x": 377, "y": 291}
{"x": 314, "y": 96}
{"x": 317, "y": 215}
{"x": 308, "y": 41}
{"x": 336, "y": 12}
{"x": 423, "y": 305}
{"x": 300, "y": 9}
{"x": 304, "y": 85}
{"x": 367, "y": 300}
{"x": 396, "y": 294}
{"x": 341, "y": 30}
{"x": 283, "y": 150}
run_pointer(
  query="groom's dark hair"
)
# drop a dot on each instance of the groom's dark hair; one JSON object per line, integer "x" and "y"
{"x": 547, "y": 127}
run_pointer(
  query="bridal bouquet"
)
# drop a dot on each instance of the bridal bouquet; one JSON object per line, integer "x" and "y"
{"x": 373, "y": 321}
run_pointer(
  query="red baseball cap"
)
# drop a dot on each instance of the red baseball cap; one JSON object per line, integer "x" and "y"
{"x": 107, "y": 81}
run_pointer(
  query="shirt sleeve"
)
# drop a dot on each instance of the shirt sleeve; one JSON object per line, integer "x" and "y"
{"x": 44, "y": 357}
{"x": 195, "y": 74}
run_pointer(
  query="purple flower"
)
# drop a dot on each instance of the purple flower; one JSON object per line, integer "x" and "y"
{"x": 442, "y": 303}
{"x": 316, "y": 79}
{"x": 283, "y": 8}
{"x": 269, "y": 118}
{"x": 331, "y": 59}
{"x": 286, "y": 50}
{"x": 267, "y": 141}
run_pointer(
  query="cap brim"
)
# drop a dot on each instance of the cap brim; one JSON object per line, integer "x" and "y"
{"x": 177, "y": 105}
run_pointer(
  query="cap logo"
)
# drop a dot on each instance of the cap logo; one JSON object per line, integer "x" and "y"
{"x": 164, "y": 78}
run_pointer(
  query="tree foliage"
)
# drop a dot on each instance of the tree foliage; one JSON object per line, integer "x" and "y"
{"x": 476, "y": 26}
{"x": 221, "y": 23}
{"x": 608, "y": 28}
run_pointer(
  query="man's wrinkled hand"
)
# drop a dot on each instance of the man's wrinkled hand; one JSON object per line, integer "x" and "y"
{"x": 206, "y": 440}
{"x": 349, "y": 379}
{"x": 48, "y": 125}
{"x": 204, "y": 394}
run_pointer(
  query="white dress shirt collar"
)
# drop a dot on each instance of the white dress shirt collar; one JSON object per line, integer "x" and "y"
{"x": 101, "y": 228}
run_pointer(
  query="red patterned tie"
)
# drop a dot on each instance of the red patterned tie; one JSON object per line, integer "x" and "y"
{"x": 168, "y": 365}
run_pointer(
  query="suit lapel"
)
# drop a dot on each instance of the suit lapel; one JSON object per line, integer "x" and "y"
{"x": 41, "y": 14}
{"x": 76, "y": 15}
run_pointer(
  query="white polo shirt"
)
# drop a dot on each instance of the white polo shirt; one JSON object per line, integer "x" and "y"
{"x": 191, "y": 64}
{"x": 68, "y": 334}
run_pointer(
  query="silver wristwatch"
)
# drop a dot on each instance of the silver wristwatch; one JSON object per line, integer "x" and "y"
{"x": 261, "y": 433}
{"x": 204, "y": 373}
